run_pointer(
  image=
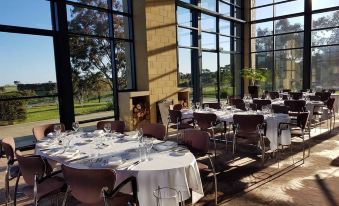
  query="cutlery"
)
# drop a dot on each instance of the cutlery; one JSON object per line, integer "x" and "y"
{"x": 76, "y": 159}
{"x": 133, "y": 165}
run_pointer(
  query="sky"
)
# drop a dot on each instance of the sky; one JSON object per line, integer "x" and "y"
{"x": 30, "y": 58}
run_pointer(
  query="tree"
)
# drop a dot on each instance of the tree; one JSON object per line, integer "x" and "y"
{"x": 90, "y": 55}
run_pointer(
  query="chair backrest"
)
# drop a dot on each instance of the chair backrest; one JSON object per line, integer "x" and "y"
{"x": 87, "y": 184}
{"x": 296, "y": 95}
{"x": 196, "y": 141}
{"x": 177, "y": 107}
{"x": 274, "y": 95}
{"x": 157, "y": 131}
{"x": 118, "y": 126}
{"x": 302, "y": 119}
{"x": 31, "y": 165}
{"x": 314, "y": 98}
{"x": 237, "y": 101}
{"x": 213, "y": 105}
{"x": 330, "y": 103}
{"x": 41, "y": 131}
{"x": 240, "y": 106}
{"x": 8, "y": 146}
{"x": 248, "y": 123}
{"x": 295, "y": 105}
{"x": 261, "y": 102}
{"x": 287, "y": 90}
{"x": 280, "y": 109}
{"x": 204, "y": 120}
{"x": 174, "y": 116}
{"x": 325, "y": 96}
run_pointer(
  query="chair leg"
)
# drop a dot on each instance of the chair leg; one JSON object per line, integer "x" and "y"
{"x": 226, "y": 139}
{"x": 7, "y": 187}
{"x": 215, "y": 182}
{"x": 16, "y": 188}
{"x": 291, "y": 153}
{"x": 65, "y": 197}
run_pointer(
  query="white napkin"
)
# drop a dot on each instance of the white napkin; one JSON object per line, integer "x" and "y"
{"x": 165, "y": 146}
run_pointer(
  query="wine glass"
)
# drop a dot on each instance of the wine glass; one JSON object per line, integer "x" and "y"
{"x": 148, "y": 144}
{"x": 107, "y": 127}
{"x": 207, "y": 107}
{"x": 57, "y": 129}
{"x": 247, "y": 106}
{"x": 197, "y": 104}
{"x": 75, "y": 126}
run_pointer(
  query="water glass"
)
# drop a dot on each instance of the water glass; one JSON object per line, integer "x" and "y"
{"x": 168, "y": 196}
{"x": 197, "y": 104}
{"x": 148, "y": 144}
{"x": 57, "y": 129}
{"x": 107, "y": 127}
{"x": 75, "y": 126}
{"x": 207, "y": 107}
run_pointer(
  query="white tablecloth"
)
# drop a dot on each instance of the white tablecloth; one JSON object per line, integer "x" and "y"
{"x": 272, "y": 125}
{"x": 165, "y": 169}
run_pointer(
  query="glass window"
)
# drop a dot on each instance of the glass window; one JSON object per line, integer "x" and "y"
{"x": 33, "y": 76}
{"x": 326, "y": 19}
{"x": 237, "y": 74}
{"x": 91, "y": 77}
{"x": 322, "y": 4}
{"x": 224, "y": 9}
{"x": 185, "y": 75}
{"x": 184, "y": 16}
{"x": 226, "y": 76}
{"x": 33, "y": 13}
{"x": 325, "y": 37}
{"x": 208, "y": 41}
{"x": 289, "y": 25}
{"x": 262, "y": 44}
{"x": 184, "y": 37}
{"x": 262, "y": 13}
{"x": 87, "y": 21}
{"x": 290, "y": 7}
{"x": 224, "y": 27}
{"x": 264, "y": 60}
{"x": 289, "y": 41}
{"x": 123, "y": 63}
{"x": 97, "y": 3}
{"x": 237, "y": 13}
{"x": 121, "y": 27}
{"x": 237, "y": 29}
{"x": 209, "y": 76}
{"x": 208, "y": 23}
{"x": 208, "y": 4}
{"x": 262, "y": 29}
{"x": 237, "y": 45}
{"x": 120, "y": 5}
{"x": 325, "y": 67}
{"x": 255, "y": 3}
{"x": 224, "y": 43}
{"x": 288, "y": 69}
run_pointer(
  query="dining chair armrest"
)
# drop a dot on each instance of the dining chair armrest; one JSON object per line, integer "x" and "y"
{"x": 11, "y": 161}
{"x": 283, "y": 125}
{"x": 111, "y": 193}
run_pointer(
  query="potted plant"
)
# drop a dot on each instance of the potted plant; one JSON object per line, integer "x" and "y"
{"x": 254, "y": 75}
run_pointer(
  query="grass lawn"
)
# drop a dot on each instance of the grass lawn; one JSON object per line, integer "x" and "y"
{"x": 46, "y": 112}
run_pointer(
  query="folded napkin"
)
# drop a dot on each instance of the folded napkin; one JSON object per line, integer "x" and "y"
{"x": 165, "y": 146}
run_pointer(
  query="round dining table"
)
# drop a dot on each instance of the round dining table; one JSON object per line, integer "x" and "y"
{"x": 165, "y": 167}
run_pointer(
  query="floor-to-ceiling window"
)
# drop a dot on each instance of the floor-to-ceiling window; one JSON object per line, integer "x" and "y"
{"x": 325, "y": 45}
{"x": 277, "y": 34}
{"x": 209, "y": 48}
{"x": 94, "y": 28}
{"x": 40, "y": 38}
{"x": 297, "y": 41}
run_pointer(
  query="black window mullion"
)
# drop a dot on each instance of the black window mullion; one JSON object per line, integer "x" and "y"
{"x": 307, "y": 45}
{"x": 218, "y": 53}
{"x": 113, "y": 65}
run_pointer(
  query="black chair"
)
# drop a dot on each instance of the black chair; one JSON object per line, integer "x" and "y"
{"x": 213, "y": 105}
{"x": 274, "y": 95}
{"x": 280, "y": 109}
{"x": 251, "y": 128}
{"x": 175, "y": 121}
{"x": 261, "y": 102}
{"x": 296, "y": 95}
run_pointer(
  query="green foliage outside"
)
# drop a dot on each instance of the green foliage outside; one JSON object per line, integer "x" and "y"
{"x": 12, "y": 110}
